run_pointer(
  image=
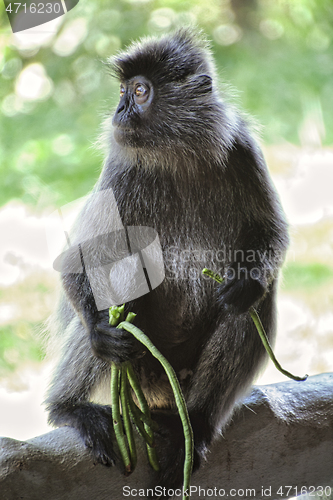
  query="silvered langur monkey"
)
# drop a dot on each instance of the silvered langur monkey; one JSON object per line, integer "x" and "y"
{"x": 183, "y": 162}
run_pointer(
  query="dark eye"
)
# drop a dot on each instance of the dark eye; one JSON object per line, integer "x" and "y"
{"x": 141, "y": 93}
{"x": 122, "y": 90}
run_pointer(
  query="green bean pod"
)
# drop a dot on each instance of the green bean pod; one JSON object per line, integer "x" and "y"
{"x": 124, "y": 395}
{"x": 151, "y": 451}
{"x": 116, "y": 314}
{"x": 179, "y": 398}
{"x": 117, "y": 420}
{"x": 263, "y": 335}
{"x": 139, "y": 424}
{"x": 139, "y": 415}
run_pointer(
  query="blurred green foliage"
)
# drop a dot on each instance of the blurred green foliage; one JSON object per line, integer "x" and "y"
{"x": 278, "y": 54}
{"x": 22, "y": 333}
{"x": 18, "y": 344}
{"x": 300, "y": 276}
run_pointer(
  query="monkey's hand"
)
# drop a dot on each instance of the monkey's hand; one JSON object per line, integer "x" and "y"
{"x": 113, "y": 344}
{"x": 243, "y": 286}
{"x": 170, "y": 446}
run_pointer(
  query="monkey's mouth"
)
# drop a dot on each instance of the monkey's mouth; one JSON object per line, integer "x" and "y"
{"x": 126, "y": 136}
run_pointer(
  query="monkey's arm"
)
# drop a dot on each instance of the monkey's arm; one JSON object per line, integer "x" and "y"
{"x": 251, "y": 273}
{"x": 107, "y": 342}
{"x": 260, "y": 237}
{"x": 76, "y": 377}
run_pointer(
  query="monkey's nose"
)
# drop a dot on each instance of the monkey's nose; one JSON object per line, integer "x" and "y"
{"x": 120, "y": 109}
{"x": 119, "y": 114}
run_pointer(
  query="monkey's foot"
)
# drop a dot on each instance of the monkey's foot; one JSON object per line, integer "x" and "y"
{"x": 94, "y": 423}
{"x": 170, "y": 448}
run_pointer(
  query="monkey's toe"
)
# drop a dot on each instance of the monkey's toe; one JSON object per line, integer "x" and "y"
{"x": 104, "y": 455}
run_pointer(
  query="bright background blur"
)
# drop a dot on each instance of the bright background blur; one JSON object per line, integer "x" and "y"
{"x": 54, "y": 94}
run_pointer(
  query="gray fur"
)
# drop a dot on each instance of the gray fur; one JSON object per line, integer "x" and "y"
{"x": 192, "y": 171}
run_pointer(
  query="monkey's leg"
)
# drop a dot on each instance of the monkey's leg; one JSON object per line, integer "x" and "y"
{"x": 75, "y": 378}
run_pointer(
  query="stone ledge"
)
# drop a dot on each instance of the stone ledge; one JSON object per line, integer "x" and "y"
{"x": 282, "y": 435}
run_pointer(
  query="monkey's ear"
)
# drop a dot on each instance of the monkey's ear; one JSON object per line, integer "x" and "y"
{"x": 204, "y": 83}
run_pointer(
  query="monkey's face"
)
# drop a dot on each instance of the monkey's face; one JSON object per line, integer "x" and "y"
{"x": 167, "y": 104}
{"x": 164, "y": 115}
{"x": 133, "y": 113}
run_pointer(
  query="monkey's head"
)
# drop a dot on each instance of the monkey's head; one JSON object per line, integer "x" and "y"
{"x": 167, "y": 97}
